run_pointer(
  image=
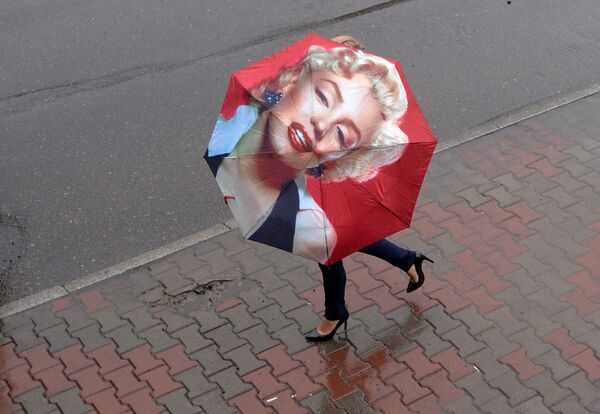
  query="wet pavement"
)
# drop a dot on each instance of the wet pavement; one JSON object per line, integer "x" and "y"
{"x": 507, "y": 321}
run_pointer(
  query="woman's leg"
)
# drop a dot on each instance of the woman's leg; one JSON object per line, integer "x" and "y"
{"x": 391, "y": 253}
{"x": 334, "y": 283}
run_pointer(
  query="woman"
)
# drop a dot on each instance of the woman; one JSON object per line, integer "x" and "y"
{"x": 334, "y": 276}
{"x": 321, "y": 112}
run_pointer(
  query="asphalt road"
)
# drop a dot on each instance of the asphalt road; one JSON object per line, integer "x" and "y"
{"x": 106, "y": 106}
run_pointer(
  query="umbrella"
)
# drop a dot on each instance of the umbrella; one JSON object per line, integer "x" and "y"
{"x": 320, "y": 149}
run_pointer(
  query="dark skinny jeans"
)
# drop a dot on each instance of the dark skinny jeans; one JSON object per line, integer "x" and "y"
{"x": 334, "y": 276}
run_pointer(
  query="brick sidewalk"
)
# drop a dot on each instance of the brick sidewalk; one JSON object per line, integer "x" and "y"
{"x": 508, "y": 320}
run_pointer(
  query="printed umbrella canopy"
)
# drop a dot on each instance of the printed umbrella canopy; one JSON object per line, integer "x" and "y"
{"x": 320, "y": 149}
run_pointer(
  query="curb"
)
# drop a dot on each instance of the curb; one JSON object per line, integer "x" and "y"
{"x": 492, "y": 125}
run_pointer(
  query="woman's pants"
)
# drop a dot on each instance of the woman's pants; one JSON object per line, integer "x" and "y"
{"x": 334, "y": 276}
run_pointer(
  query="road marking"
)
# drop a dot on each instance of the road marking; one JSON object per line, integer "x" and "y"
{"x": 492, "y": 125}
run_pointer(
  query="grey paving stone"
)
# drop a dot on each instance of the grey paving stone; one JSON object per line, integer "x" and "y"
{"x": 573, "y": 226}
{"x": 429, "y": 340}
{"x": 512, "y": 388}
{"x": 406, "y": 319}
{"x": 532, "y": 344}
{"x": 218, "y": 261}
{"x": 225, "y": 338}
{"x": 230, "y": 383}
{"x": 498, "y": 405}
{"x": 539, "y": 182}
{"x": 240, "y": 318}
{"x": 373, "y": 320}
{"x": 208, "y": 319}
{"x": 509, "y": 181}
{"x": 359, "y": 337}
{"x": 554, "y": 213}
{"x": 473, "y": 320}
{"x": 319, "y": 403}
{"x": 555, "y": 282}
{"x": 231, "y": 242}
{"x": 395, "y": 341}
{"x": 532, "y": 406}
{"x": 531, "y": 264}
{"x": 447, "y": 244}
{"x": 562, "y": 264}
{"x": 191, "y": 338}
{"x": 70, "y": 402}
{"x": 177, "y": 402}
{"x": 244, "y": 360}
{"x": 558, "y": 367}
{"x": 573, "y": 322}
{"x": 174, "y": 283}
{"x": 286, "y": 298}
{"x": 58, "y": 338}
{"x": 213, "y": 403}
{"x": 473, "y": 197}
{"x": 258, "y": 337}
{"x": 497, "y": 342}
{"x": 570, "y": 406}
{"x": 156, "y": 336}
{"x": 476, "y": 386}
{"x": 255, "y": 299}
{"x": 538, "y": 246}
{"x": 174, "y": 321}
{"x": 355, "y": 403}
{"x": 546, "y": 300}
{"x": 488, "y": 364}
{"x": 525, "y": 284}
{"x": 76, "y": 318}
{"x": 591, "y": 339}
{"x": 210, "y": 360}
{"x": 24, "y": 337}
{"x": 141, "y": 281}
{"x": 268, "y": 279}
{"x": 443, "y": 323}
{"x": 249, "y": 261}
{"x": 547, "y": 388}
{"x": 108, "y": 319}
{"x": 273, "y": 318}
{"x": 195, "y": 382}
{"x": 186, "y": 261}
{"x": 463, "y": 341}
{"x": 506, "y": 321}
{"x": 43, "y": 318}
{"x": 539, "y": 321}
{"x": 502, "y": 196}
{"x": 159, "y": 266}
{"x": 585, "y": 215}
{"x": 91, "y": 338}
{"x": 299, "y": 279}
{"x": 282, "y": 262}
{"x": 578, "y": 383}
{"x": 517, "y": 303}
{"x": 463, "y": 405}
{"x": 305, "y": 317}
{"x": 533, "y": 198}
{"x": 293, "y": 339}
{"x": 141, "y": 319}
{"x": 34, "y": 402}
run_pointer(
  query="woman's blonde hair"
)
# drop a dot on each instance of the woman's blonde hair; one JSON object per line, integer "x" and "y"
{"x": 388, "y": 143}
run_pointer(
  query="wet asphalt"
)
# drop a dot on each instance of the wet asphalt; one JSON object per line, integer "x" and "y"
{"x": 106, "y": 107}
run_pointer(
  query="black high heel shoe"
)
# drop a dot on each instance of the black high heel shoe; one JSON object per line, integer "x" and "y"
{"x": 315, "y": 336}
{"x": 419, "y": 258}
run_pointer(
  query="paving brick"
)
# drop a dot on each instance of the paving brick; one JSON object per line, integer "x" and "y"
{"x": 463, "y": 341}
{"x": 141, "y": 319}
{"x": 528, "y": 339}
{"x": 453, "y": 364}
{"x": 385, "y": 301}
{"x": 547, "y": 388}
{"x": 446, "y": 392}
{"x": 39, "y": 359}
{"x": 19, "y": 380}
{"x": 195, "y": 382}
{"x": 520, "y": 362}
{"x": 320, "y": 403}
{"x": 33, "y": 402}
{"x": 141, "y": 401}
{"x": 70, "y": 402}
{"x": 570, "y": 406}
{"x": 191, "y": 338}
{"x": 124, "y": 380}
{"x": 355, "y": 402}
{"x": 463, "y": 405}
{"x": 336, "y": 385}
{"x": 90, "y": 381}
{"x": 249, "y": 403}
{"x": 407, "y": 386}
{"x": 177, "y": 402}
{"x": 587, "y": 361}
{"x": 273, "y": 318}
{"x": 292, "y": 338}
{"x": 210, "y": 360}
{"x": 264, "y": 381}
{"x": 516, "y": 392}
{"x": 578, "y": 383}
{"x": 406, "y": 319}
{"x": 487, "y": 364}
{"x": 24, "y": 337}
{"x": 498, "y": 405}
{"x": 304, "y": 317}
{"x": 244, "y": 360}
{"x": 560, "y": 339}
{"x": 506, "y": 321}
{"x": 177, "y": 360}
{"x": 240, "y": 318}
{"x": 418, "y": 363}
{"x": 258, "y": 337}
{"x": 440, "y": 320}
{"x": 539, "y": 321}
{"x": 106, "y": 402}
{"x": 93, "y": 300}
{"x": 449, "y": 299}
{"x": 54, "y": 380}
{"x": 373, "y": 319}
{"x": 156, "y": 336}
{"x": 9, "y": 357}
{"x": 534, "y": 405}
{"x": 268, "y": 279}
{"x": 302, "y": 385}
{"x": 475, "y": 385}
{"x": 160, "y": 381}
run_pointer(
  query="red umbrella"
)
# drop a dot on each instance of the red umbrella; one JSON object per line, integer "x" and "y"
{"x": 320, "y": 149}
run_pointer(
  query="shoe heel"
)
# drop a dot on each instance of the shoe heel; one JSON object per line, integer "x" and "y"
{"x": 427, "y": 258}
{"x": 346, "y": 325}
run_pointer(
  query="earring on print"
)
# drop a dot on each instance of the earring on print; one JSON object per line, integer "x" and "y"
{"x": 271, "y": 98}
